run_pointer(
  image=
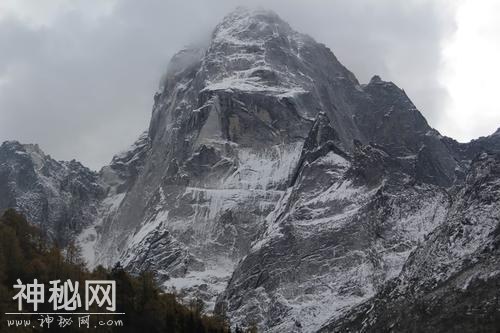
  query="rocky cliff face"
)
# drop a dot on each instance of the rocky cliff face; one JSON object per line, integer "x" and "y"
{"x": 450, "y": 282}
{"x": 276, "y": 187}
{"x": 61, "y": 197}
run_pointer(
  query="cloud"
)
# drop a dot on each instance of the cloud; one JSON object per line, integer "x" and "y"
{"x": 472, "y": 71}
{"x": 78, "y": 77}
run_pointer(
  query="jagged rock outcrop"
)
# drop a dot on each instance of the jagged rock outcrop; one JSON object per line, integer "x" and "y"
{"x": 280, "y": 190}
{"x": 450, "y": 282}
{"x": 345, "y": 227}
{"x": 61, "y": 197}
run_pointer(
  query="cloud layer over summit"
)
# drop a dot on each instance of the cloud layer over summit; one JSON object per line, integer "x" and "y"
{"x": 78, "y": 77}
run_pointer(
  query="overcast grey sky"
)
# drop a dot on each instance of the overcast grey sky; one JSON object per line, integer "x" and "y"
{"x": 78, "y": 77}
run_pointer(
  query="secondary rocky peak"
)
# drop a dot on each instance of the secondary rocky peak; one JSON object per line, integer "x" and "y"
{"x": 61, "y": 197}
{"x": 375, "y": 79}
{"x": 183, "y": 60}
{"x": 14, "y": 146}
{"x": 321, "y": 132}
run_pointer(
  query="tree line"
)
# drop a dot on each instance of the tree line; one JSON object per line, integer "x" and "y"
{"x": 26, "y": 254}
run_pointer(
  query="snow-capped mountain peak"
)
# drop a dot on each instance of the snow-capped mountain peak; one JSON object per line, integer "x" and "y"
{"x": 271, "y": 184}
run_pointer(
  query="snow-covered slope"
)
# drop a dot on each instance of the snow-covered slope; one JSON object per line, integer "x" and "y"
{"x": 450, "y": 282}
{"x": 342, "y": 230}
{"x": 61, "y": 197}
